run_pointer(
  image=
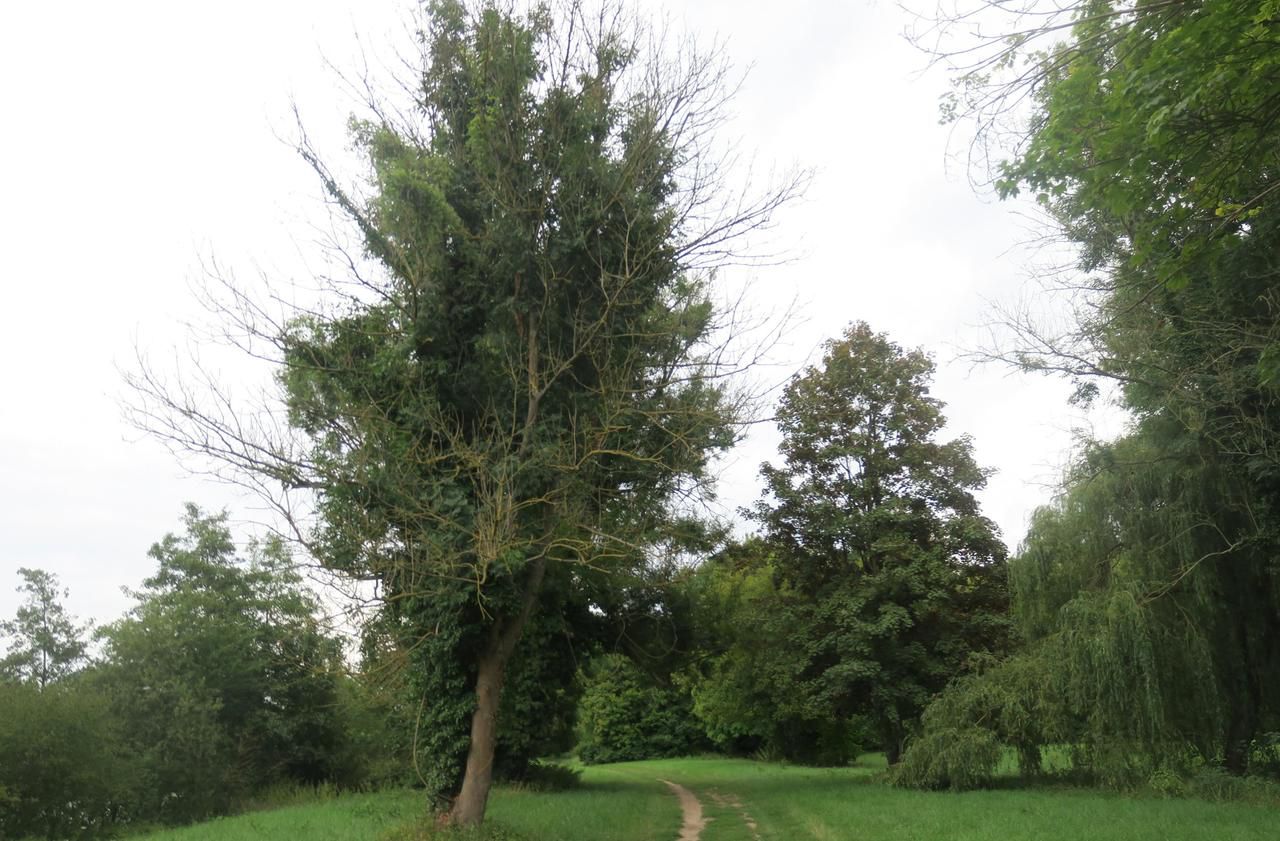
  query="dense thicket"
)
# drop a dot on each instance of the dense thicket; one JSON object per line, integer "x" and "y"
{"x": 628, "y": 714}
{"x": 1149, "y": 593}
{"x": 222, "y": 675}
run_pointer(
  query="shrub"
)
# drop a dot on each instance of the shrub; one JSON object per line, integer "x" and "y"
{"x": 625, "y": 715}
{"x": 63, "y": 770}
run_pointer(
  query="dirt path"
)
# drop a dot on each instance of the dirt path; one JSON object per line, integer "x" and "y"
{"x": 694, "y": 822}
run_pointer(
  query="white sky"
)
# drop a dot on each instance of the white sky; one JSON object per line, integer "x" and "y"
{"x": 142, "y": 137}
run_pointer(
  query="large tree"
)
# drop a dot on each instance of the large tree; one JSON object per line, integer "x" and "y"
{"x": 888, "y": 576}
{"x": 45, "y": 643}
{"x": 1152, "y": 146}
{"x": 520, "y": 387}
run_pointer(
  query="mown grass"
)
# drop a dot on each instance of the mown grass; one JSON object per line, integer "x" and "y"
{"x": 626, "y": 802}
{"x": 838, "y": 804}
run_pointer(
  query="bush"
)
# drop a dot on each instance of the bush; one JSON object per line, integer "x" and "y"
{"x": 549, "y": 777}
{"x": 962, "y": 758}
{"x": 63, "y": 770}
{"x": 1012, "y": 703}
{"x": 626, "y": 715}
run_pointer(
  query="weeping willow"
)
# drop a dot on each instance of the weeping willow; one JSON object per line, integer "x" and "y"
{"x": 1146, "y": 596}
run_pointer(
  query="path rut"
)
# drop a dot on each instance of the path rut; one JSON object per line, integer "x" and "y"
{"x": 690, "y": 807}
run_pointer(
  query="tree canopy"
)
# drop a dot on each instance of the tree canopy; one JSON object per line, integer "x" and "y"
{"x": 45, "y": 644}
{"x": 886, "y": 577}
{"x": 222, "y": 675}
{"x": 1147, "y": 593}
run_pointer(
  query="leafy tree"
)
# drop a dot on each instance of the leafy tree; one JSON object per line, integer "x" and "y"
{"x": 1153, "y": 148}
{"x": 521, "y": 384}
{"x": 45, "y": 644}
{"x": 1154, "y": 142}
{"x": 889, "y": 578}
{"x": 1146, "y": 597}
{"x": 222, "y": 674}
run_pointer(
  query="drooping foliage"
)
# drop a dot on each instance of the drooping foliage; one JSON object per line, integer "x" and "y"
{"x": 1148, "y": 593}
{"x": 1144, "y": 600}
{"x": 1170, "y": 192}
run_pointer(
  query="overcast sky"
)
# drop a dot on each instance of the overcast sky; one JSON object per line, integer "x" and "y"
{"x": 141, "y": 138}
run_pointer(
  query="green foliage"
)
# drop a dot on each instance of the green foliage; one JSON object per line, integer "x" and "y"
{"x": 1142, "y": 594}
{"x": 886, "y": 579}
{"x": 1149, "y": 591}
{"x": 1158, "y": 638}
{"x": 528, "y": 386}
{"x": 65, "y": 769}
{"x": 45, "y": 644}
{"x": 1015, "y": 703}
{"x": 222, "y": 677}
{"x": 743, "y": 680}
{"x": 1155, "y": 142}
{"x": 626, "y": 715}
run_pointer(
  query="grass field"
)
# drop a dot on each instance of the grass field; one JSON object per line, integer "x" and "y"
{"x": 355, "y": 817}
{"x": 752, "y": 801}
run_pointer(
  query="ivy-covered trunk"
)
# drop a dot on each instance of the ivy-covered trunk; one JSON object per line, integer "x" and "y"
{"x": 469, "y": 806}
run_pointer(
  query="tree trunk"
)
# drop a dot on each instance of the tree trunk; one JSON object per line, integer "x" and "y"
{"x": 469, "y": 806}
{"x": 893, "y": 737}
{"x": 1245, "y": 689}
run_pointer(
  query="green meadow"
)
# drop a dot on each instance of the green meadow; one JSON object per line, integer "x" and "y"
{"x": 744, "y": 800}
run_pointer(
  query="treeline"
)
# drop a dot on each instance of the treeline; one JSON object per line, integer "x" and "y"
{"x": 1147, "y": 596}
{"x": 874, "y": 581}
{"x": 219, "y": 684}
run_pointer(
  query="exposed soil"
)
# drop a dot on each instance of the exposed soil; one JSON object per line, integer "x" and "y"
{"x": 691, "y": 808}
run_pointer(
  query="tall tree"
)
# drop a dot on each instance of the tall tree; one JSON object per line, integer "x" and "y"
{"x": 522, "y": 384}
{"x": 1156, "y": 149}
{"x": 889, "y": 576}
{"x": 1152, "y": 146}
{"x": 45, "y": 643}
